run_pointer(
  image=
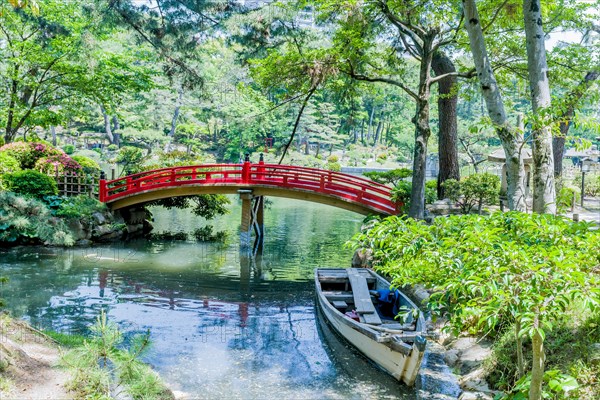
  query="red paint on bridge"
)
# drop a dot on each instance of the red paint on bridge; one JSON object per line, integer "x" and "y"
{"x": 348, "y": 188}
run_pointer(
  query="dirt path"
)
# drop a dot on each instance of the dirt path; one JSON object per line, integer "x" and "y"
{"x": 28, "y": 364}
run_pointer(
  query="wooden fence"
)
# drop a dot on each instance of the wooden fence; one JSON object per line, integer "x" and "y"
{"x": 72, "y": 184}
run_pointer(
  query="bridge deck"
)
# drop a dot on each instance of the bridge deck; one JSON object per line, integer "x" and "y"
{"x": 338, "y": 189}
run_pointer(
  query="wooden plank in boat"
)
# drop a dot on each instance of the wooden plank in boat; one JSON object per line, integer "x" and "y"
{"x": 338, "y": 296}
{"x": 362, "y": 298}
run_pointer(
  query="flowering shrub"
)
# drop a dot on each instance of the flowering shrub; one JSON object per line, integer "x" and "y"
{"x": 57, "y": 164}
{"x": 29, "y": 153}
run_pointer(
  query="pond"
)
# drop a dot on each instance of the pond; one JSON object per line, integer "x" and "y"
{"x": 221, "y": 325}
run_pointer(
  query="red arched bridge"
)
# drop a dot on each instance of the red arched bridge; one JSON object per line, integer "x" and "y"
{"x": 333, "y": 188}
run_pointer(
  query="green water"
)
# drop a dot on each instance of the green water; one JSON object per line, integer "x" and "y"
{"x": 221, "y": 325}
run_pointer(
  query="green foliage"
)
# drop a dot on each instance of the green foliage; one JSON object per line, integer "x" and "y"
{"x": 89, "y": 165}
{"x": 8, "y": 164}
{"x": 492, "y": 272}
{"x": 334, "y": 166}
{"x": 205, "y": 234}
{"x": 558, "y": 386}
{"x": 474, "y": 190}
{"x": 79, "y": 207}
{"x": 99, "y": 365}
{"x": 392, "y": 177}
{"x": 27, "y": 220}
{"x": 112, "y": 147}
{"x": 333, "y": 159}
{"x": 30, "y": 183}
{"x": 167, "y": 235}
{"x": 69, "y": 149}
{"x": 28, "y": 153}
{"x": 401, "y": 194}
{"x": 206, "y": 206}
{"x": 131, "y": 158}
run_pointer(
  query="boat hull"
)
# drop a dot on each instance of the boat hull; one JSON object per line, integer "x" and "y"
{"x": 402, "y": 362}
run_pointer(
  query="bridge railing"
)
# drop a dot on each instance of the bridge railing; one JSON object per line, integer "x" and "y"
{"x": 347, "y": 187}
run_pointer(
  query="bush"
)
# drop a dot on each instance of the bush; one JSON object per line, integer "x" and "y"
{"x": 401, "y": 194}
{"x": 474, "y": 190}
{"x": 393, "y": 176}
{"x": 30, "y": 183}
{"x": 29, "y": 153}
{"x": 57, "y": 164}
{"x": 28, "y": 220}
{"x": 76, "y": 207}
{"x": 69, "y": 149}
{"x": 88, "y": 165}
{"x": 333, "y": 159}
{"x": 112, "y": 147}
{"x": 8, "y": 164}
{"x": 334, "y": 166}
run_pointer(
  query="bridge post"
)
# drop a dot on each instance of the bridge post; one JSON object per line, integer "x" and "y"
{"x": 246, "y": 169}
{"x": 102, "y": 187}
{"x": 246, "y": 223}
{"x": 252, "y": 221}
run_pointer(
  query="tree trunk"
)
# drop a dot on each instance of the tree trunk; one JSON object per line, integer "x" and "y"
{"x": 558, "y": 142}
{"x": 378, "y": 130}
{"x": 362, "y": 132}
{"x": 544, "y": 191}
{"x": 369, "y": 128}
{"x": 510, "y": 138}
{"x": 422, "y": 133}
{"x": 107, "y": 128}
{"x": 520, "y": 359}
{"x": 53, "y": 132}
{"x": 116, "y": 124}
{"x": 176, "y": 112}
{"x": 447, "y": 121}
{"x": 537, "y": 368}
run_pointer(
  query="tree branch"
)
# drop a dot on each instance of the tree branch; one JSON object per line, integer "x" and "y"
{"x": 304, "y": 103}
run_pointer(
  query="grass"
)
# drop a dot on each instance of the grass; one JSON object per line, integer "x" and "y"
{"x": 101, "y": 369}
{"x": 567, "y": 350}
{"x": 66, "y": 340}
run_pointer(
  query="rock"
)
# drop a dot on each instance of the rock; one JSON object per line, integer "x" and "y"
{"x": 135, "y": 228}
{"x": 102, "y": 230}
{"x": 99, "y": 218}
{"x": 83, "y": 243}
{"x": 472, "y": 357}
{"x": 77, "y": 229}
{"x": 451, "y": 357}
{"x": 362, "y": 258}
{"x": 594, "y": 353}
{"x": 467, "y": 395}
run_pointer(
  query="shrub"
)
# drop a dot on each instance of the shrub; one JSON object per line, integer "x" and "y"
{"x": 393, "y": 176}
{"x": 8, "y": 164}
{"x": 509, "y": 270}
{"x": 112, "y": 147}
{"x": 77, "y": 207}
{"x": 474, "y": 190}
{"x": 29, "y": 153}
{"x": 333, "y": 158}
{"x": 131, "y": 158}
{"x": 27, "y": 220}
{"x": 30, "y": 183}
{"x": 334, "y": 166}
{"x": 88, "y": 165}
{"x": 401, "y": 194}
{"x": 57, "y": 164}
{"x": 87, "y": 153}
{"x": 69, "y": 149}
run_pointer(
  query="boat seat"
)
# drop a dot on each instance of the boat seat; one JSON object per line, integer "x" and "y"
{"x": 340, "y": 305}
{"x": 362, "y": 298}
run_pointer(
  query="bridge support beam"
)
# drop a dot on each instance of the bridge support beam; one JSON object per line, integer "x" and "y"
{"x": 252, "y": 221}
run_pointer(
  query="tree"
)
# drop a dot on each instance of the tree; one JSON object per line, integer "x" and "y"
{"x": 447, "y": 120}
{"x": 511, "y": 138}
{"x": 544, "y": 191}
{"x": 417, "y": 32}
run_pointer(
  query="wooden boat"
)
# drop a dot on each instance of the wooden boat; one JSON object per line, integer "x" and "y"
{"x": 360, "y": 306}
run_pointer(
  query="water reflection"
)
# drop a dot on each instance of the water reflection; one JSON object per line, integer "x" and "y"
{"x": 221, "y": 325}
